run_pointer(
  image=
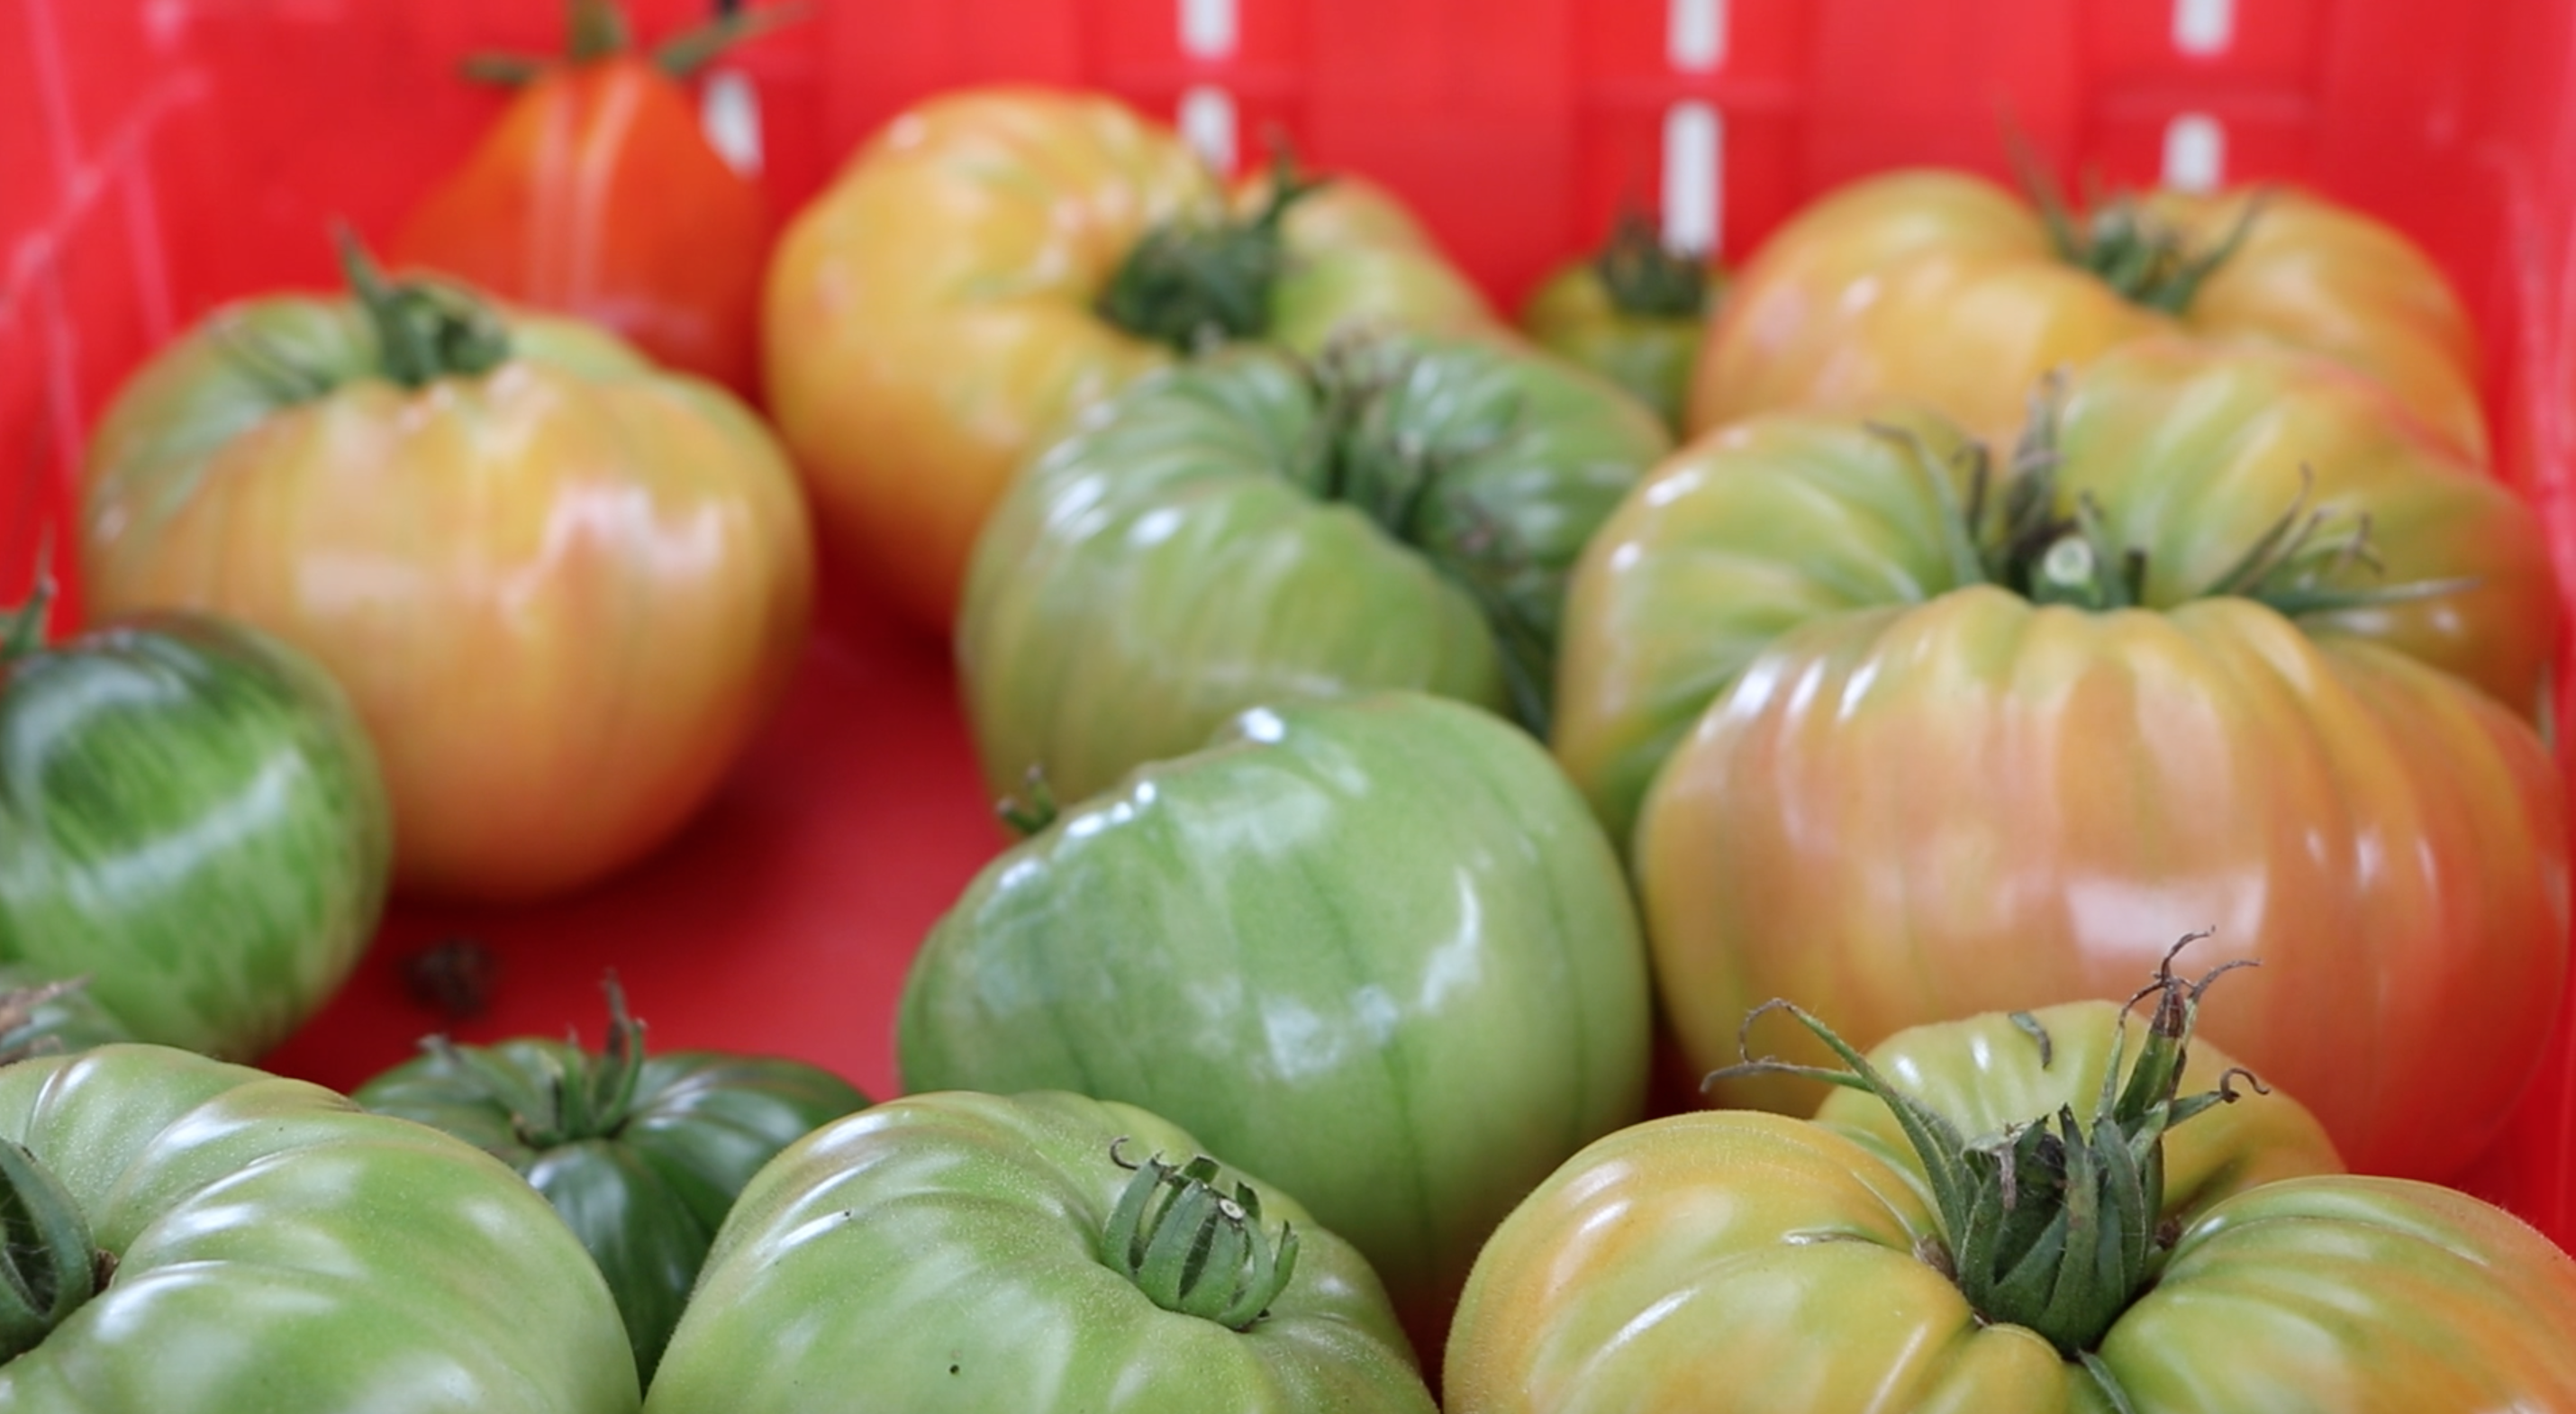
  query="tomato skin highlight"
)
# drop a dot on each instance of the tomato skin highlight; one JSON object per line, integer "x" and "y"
{"x": 1719, "y": 1261}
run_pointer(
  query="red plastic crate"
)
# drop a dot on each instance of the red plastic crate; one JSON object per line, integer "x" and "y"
{"x": 159, "y": 156}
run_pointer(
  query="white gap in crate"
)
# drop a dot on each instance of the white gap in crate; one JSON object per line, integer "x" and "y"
{"x": 1208, "y": 28}
{"x": 729, "y": 113}
{"x": 2195, "y": 153}
{"x": 1695, "y": 35}
{"x": 1694, "y": 176}
{"x": 2203, "y": 26}
{"x": 1207, "y": 121}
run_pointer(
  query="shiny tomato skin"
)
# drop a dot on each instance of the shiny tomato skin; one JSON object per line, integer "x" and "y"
{"x": 596, "y": 194}
{"x": 1941, "y": 288}
{"x": 930, "y": 320}
{"x": 561, "y": 594}
{"x": 1725, "y": 1261}
{"x": 1855, "y": 780}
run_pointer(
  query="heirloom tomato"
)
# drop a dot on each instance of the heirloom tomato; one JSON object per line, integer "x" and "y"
{"x": 192, "y": 820}
{"x": 1942, "y": 288}
{"x": 1952, "y": 1239}
{"x": 641, "y": 1155}
{"x": 2232, "y": 643}
{"x": 1371, "y": 949}
{"x": 1246, "y": 527}
{"x": 560, "y": 587}
{"x": 1042, "y": 1253}
{"x": 193, "y": 1237}
{"x": 996, "y": 259}
{"x": 597, "y": 194}
{"x": 1633, "y": 312}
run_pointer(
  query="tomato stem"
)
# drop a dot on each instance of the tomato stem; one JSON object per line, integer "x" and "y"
{"x": 2143, "y": 259}
{"x": 49, "y": 1266}
{"x": 425, "y": 330}
{"x": 1645, "y": 277}
{"x": 1195, "y": 285}
{"x": 21, "y": 1009}
{"x": 1033, "y": 809}
{"x": 599, "y": 30}
{"x": 2055, "y": 1224}
{"x": 1193, "y": 1249}
{"x": 584, "y": 1097}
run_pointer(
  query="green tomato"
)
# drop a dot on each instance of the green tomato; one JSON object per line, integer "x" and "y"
{"x": 1634, "y": 312}
{"x": 975, "y": 1252}
{"x": 1374, "y": 950}
{"x": 641, "y": 1155}
{"x": 1401, "y": 514}
{"x": 192, "y": 818}
{"x": 268, "y": 1246}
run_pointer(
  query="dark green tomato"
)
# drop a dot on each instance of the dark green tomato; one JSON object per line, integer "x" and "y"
{"x": 1246, "y": 528}
{"x": 1375, "y": 950}
{"x": 273, "y": 1248}
{"x": 641, "y": 1155}
{"x": 192, "y": 818}
{"x": 958, "y": 1252}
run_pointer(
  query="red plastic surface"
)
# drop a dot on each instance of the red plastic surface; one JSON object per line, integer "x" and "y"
{"x": 158, "y": 156}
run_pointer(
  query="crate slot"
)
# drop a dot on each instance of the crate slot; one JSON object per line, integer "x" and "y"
{"x": 1695, "y": 38}
{"x": 1207, "y": 120}
{"x": 1209, "y": 29}
{"x": 2204, "y": 27}
{"x": 1694, "y": 171}
{"x": 2195, "y": 153}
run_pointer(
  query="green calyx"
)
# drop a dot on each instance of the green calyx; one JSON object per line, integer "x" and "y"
{"x": 1645, "y": 277}
{"x": 2144, "y": 260}
{"x": 2014, "y": 529}
{"x": 578, "y": 1096}
{"x": 1195, "y": 285}
{"x": 49, "y": 1266}
{"x": 1033, "y": 809}
{"x": 1364, "y": 453}
{"x": 22, "y": 630}
{"x": 425, "y": 329}
{"x": 1195, "y": 1250}
{"x": 598, "y": 30}
{"x": 2055, "y": 1225}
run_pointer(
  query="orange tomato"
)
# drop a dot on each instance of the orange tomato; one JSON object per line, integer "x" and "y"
{"x": 941, "y": 310}
{"x": 1943, "y": 288}
{"x": 560, "y": 587}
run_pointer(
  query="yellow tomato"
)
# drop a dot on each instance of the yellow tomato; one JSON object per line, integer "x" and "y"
{"x": 939, "y": 311}
{"x": 1942, "y": 288}
{"x": 560, "y": 587}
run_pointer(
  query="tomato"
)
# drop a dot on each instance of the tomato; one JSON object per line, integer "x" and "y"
{"x": 996, "y": 259}
{"x": 597, "y": 194}
{"x": 216, "y": 1240}
{"x": 1942, "y": 288}
{"x": 1372, "y": 950}
{"x": 1244, "y": 528}
{"x": 972, "y": 1252}
{"x": 192, "y": 819}
{"x": 642, "y": 1156}
{"x": 1889, "y": 760}
{"x": 561, "y": 588}
{"x": 1967, "y": 1244}
{"x": 1634, "y": 312}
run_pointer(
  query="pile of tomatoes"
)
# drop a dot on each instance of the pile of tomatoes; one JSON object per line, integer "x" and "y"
{"x": 1676, "y": 852}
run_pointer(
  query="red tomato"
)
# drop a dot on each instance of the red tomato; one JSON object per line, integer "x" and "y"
{"x": 597, "y": 194}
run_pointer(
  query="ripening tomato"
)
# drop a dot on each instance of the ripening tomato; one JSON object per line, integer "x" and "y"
{"x": 997, "y": 259}
{"x": 1635, "y": 312}
{"x": 560, "y": 586}
{"x": 1942, "y": 288}
{"x": 1947, "y": 1237}
{"x": 597, "y": 194}
{"x": 2238, "y": 646}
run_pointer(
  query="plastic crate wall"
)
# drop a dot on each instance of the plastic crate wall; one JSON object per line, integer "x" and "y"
{"x": 158, "y": 156}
